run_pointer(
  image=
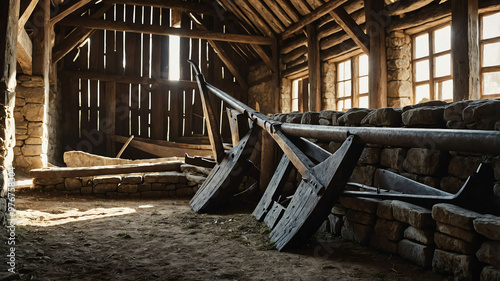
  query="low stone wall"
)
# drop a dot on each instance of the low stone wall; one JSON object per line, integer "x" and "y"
{"x": 181, "y": 183}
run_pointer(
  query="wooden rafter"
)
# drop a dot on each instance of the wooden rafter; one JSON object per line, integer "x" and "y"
{"x": 254, "y": 17}
{"x": 76, "y": 37}
{"x": 268, "y": 16}
{"x": 98, "y": 24}
{"x": 221, "y": 53}
{"x": 311, "y": 17}
{"x": 351, "y": 28}
{"x": 68, "y": 10}
{"x": 178, "y": 5}
{"x": 27, "y": 7}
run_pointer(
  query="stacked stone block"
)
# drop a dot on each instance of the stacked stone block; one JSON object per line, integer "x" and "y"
{"x": 489, "y": 228}
{"x": 388, "y": 231}
{"x": 183, "y": 183}
{"x": 399, "y": 85}
{"x": 359, "y": 220}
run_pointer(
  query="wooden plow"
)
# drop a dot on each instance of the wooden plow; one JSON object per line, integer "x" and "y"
{"x": 325, "y": 175}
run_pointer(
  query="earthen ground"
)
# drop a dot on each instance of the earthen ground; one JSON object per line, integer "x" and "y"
{"x": 87, "y": 238}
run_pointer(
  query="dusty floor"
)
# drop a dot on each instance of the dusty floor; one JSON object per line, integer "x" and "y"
{"x": 94, "y": 239}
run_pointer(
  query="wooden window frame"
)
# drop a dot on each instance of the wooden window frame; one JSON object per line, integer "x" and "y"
{"x": 303, "y": 94}
{"x": 486, "y": 69}
{"x": 431, "y": 57}
{"x": 355, "y": 78}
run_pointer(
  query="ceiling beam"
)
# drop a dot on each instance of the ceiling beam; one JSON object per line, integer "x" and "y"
{"x": 68, "y": 10}
{"x": 24, "y": 52}
{"x": 351, "y": 28}
{"x": 27, "y": 7}
{"x": 162, "y": 30}
{"x": 311, "y": 17}
{"x": 182, "y": 6}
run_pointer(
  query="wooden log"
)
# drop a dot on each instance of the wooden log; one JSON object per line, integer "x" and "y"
{"x": 162, "y": 30}
{"x": 293, "y": 55}
{"x": 9, "y": 15}
{"x": 68, "y": 10}
{"x": 333, "y": 40}
{"x": 183, "y": 6}
{"x": 465, "y": 49}
{"x": 298, "y": 70}
{"x": 311, "y": 17}
{"x": 341, "y": 51}
{"x": 288, "y": 9}
{"x": 254, "y": 17}
{"x": 41, "y": 41}
{"x": 74, "y": 172}
{"x": 27, "y": 7}
{"x": 164, "y": 148}
{"x": 290, "y": 45}
{"x": 24, "y": 51}
{"x": 238, "y": 123}
{"x": 348, "y": 24}
{"x": 377, "y": 72}
{"x": 279, "y": 12}
{"x": 269, "y": 17}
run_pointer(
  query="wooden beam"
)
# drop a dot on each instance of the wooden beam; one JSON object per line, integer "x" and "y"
{"x": 311, "y": 17}
{"x": 377, "y": 72}
{"x": 68, "y": 10}
{"x": 402, "y": 7}
{"x": 351, "y": 28}
{"x": 162, "y": 30}
{"x": 110, "y": 127}
{"x": 221, "y": 54}
{"x": 465, "y": 49}
{"x": 41, "y": 42}
{"x": 183, "y": 6}
{"x": 27, "y": 7}
{"x": 314, "y": 65}
{"x": 76, "y": 37}
{"x": 72, "y": 172}
{"x": 24, "y": 52}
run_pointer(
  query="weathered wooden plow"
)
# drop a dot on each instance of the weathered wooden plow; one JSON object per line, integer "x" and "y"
{"x": 325, "y": 175}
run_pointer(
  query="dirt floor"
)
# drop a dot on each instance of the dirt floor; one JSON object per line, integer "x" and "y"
{"x": 87, "y": 238}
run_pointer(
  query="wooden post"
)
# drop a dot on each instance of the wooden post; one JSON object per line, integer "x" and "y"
{"x": 110, "y": 129}
{"x": 377, "y": 71}
{"x": 9, "y": 15}
{"x": 314, "y": 64}
{"x": 465, "y": 49}
{"x": 267, "y": 159}
{"x": 41, "y": 40}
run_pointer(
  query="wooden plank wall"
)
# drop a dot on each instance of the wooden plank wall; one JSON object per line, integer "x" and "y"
{"x": 156, "y": 111}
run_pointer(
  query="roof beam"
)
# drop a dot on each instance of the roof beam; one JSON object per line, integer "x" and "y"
{"x": 170, "y": 4}
{"x": 69, "y": 10}
{"x": 162, "y": 30}
{"x": 27, "y": 7}
{"x": 24, "y": 52}
{"x": 314, "y": 15}
{"x": 351, "y": 28}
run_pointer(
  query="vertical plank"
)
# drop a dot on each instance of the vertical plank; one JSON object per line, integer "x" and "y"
{"x": 175, "y": 115}
{"x": 185, "y": 74}
{"x": 119, "y": 47}
{"x": 126, "y": 96}
{"x": 465, "y": 49}
{"x": 96, "y": 62}
{"x": 165, "y": 15}
{"x": 110, "y": 126}
{"x": 377, "y": 71}
{"x": 145, "y": 88}
{"x": 84, "y": 90}
{"x": 134, "y": 94}
{"x": 314, "y": 65}
{"x": 158, "y": 92}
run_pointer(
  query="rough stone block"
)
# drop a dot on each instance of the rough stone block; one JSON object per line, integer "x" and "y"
{"x": 151, "y": 194}
{"x": 186, "y": 192}
{"x": 336, "y": 223}
{"x": 462, "y": 267}
{"x": 452, "y": 244}
{"x": 87, "y": 190}
{"x": 335, "y": 118}
{"x": 379, "y": 241}
{"x": 144, "y": 187}
{"x": 451, "y": 184}
{"x": 355, "y": 232}
{"x": 333, "y": 146}
{"x": 33, "y": 141}
{"x": 417, "y": 253}
{"x": 393, "y": 157}
{"x": 33, "y": 111}
{"x": 361, "y": 217}
{"x": 392, "y": 230}
{"x": 488, "y": 226}
{"x": 463, "y": 167}
{"x": 427, "y": 180}
{"x": 107, "y": 179}
{"x": 36, "y": 129}
{"x": 72, "y": 183}
{"x": 354, "y": 116}
{"x": 490, "y": 273}
{"x": 489, "y": 253}
{"x": 366, "y": 205}
{"x": 324, "y": 122}
{"x": 310, "y": 118}
{"x": 32, "y": 150}
{"x": 165, "y": 177}
{"x": 31, "y": 94}
{"x": 384, "y": 210}
{"x": 370, "y": 156}
{"x": 427, "y": 117}
{"x": 456, "y": 125}
{"x": 191, "y": 169}
{"x": 127, "y": 188}
{"x": 48, "y": 181}
{"x": 457, "y": 232}
{"x": 423, "y": 236}
{"x": 195, "y": 179}
{"x": 482, "y": 115}
{"x": 453, "y": 111}
{"x": 294, "y": 117}
{"x": 105, "y": 187}
{"x": 132, "y": 178}
{"x": 454, "y": 215}
{"x": 157, "y": 186}
{"x": 411, "y": 214}
{"x": 432, "y": 103}
{"x": 398, "y": 88}
{"x": 363, "y": 175}
{"x": 424, "y": 161}
{"x": 386, "y": 117}
{"x": 327, "y": 114}
{"x": 339, "y": 210}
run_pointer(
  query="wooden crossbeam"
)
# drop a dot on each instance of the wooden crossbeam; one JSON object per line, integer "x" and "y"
{"x": 162, "y": 30}
{"x": 27, "y": 7}
{"x": 351, "y": 28}
{"x": 311, "y": 17}
{"x": 24, "y": 51}
{"x": 182, "y": 6}
{"x": 76, "y": 37}
{"x": 68, "y": 10}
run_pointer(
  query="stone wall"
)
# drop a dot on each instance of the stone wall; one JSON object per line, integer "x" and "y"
{"x": 31, "y": 125}
{"x": 54, "y": 150}
{"x": 261, "y": 88}
{"x": 399, "y": 73}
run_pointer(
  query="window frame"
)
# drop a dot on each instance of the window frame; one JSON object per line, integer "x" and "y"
{"x": 355, "y": 82}
{"x": 303, "y": 94}
{"x": 431, "y": 58}
{"x": 486, "y": 69}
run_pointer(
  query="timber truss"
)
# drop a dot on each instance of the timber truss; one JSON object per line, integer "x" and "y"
{"x": 325, "y": 175}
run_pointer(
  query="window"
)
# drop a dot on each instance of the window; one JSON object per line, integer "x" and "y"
{"x": 300, "y": 95}
{"x": 352, "y": 83}
{"x": 432, "y": 77}
{"x": 490, "y": 55}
